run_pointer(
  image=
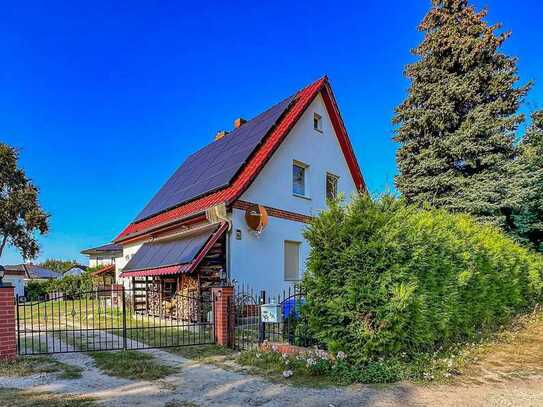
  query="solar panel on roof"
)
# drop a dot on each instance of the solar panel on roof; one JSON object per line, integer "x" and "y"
{"x": 169, "y": 252}
{"x": 214, "y": 166}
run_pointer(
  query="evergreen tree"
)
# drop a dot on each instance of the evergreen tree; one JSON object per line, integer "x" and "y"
{"x": 456, "y": 128}
{"x": 528, "y": 170}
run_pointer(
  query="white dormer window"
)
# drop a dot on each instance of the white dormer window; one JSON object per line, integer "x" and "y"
{"x": 317, "y": 122}
{"x": 299, "y": 181}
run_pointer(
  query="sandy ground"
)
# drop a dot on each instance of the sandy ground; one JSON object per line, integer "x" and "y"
{"x": 207, "y": 385}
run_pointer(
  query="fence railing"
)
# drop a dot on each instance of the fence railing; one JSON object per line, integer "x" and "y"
{"x": 257, "y": 317}
{"x": 110, "y": 320}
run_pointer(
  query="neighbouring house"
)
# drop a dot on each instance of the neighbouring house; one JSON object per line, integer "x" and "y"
{"x": 29, "y": 272}
{"x": 75, "y": 270}
{"x": 236, "y": 209}
{"x": 104, "y": 255}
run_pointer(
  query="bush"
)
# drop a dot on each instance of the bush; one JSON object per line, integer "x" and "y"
{"x": 385, "y": 279}
{"x": 36, "y": 290}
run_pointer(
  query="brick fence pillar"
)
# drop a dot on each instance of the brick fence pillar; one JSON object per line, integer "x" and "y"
{"x": 222, "y": 298}
{"x": 8, "y": 344}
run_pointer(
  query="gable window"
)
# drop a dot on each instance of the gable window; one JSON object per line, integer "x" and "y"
{"x": 299, "y": 175}
{"x": 292, "y": 261}
{"x": 317, "y": 122}
{"x": 331, "y": 186}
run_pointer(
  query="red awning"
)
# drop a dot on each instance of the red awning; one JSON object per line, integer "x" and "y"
{"x": 161, "y": 271}
{"x": 196, "y": 256}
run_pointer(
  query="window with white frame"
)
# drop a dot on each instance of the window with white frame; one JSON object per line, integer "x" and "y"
{"x": 292, "y": 261}
{"x": 317, "y": 122}
{"x": 331, "y": 186}
{"x": 299, "y": 181}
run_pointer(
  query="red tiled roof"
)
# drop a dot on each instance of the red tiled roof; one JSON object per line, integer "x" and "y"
{"x": 251, "y": 169}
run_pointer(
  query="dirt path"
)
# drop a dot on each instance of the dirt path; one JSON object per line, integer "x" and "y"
{"x": 207, "y": 385}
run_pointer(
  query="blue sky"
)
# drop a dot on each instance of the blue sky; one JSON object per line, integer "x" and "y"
{"x": 105, "y": 99}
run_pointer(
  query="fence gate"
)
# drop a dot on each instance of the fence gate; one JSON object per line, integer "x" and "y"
{"x": 112, "y": 319}
{"x": 247, "y": 328}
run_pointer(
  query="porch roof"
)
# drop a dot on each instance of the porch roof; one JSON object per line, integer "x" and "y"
{"x": 173, "y": 256}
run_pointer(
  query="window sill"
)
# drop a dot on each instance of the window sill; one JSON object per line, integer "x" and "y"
{"x": 302, "y": 196}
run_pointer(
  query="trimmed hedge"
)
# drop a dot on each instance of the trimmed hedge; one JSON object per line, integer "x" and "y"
{"x": 386, "y": 279}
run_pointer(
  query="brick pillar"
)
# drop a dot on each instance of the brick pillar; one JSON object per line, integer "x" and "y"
{"x": 222, "y": 297}
{"x": 8, "y": 344}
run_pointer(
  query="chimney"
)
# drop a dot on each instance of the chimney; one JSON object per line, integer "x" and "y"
{"x": 220, "y": 134}
{"x": 239, "y": 122}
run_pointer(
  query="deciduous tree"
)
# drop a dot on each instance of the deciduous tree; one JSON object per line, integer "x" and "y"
{"x": 21, "y": 215}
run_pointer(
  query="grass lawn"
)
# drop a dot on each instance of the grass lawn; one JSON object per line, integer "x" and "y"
{"x": 28, "y": 365}
{"x": 24, "y": 398}
{"x": 131, "y": 365}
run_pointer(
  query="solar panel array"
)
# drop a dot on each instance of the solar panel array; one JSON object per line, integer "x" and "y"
{"x": 168, "y": 253}
{"x": 214, "y": 166}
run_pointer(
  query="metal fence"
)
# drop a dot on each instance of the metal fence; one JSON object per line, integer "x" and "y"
{"x": 111, "y": 319}
{"x": 282, "y": 321}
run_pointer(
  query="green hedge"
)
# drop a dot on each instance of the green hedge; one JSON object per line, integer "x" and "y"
{"x": 386, "y": 279}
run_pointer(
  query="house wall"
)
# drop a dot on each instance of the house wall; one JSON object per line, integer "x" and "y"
{"x": 260, "y": 262}
{"x": 120, "y": 262}
{"x": 17, "y": 282}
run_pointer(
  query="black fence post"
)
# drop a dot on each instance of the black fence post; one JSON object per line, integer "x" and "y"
{"x": 124, "y": 320}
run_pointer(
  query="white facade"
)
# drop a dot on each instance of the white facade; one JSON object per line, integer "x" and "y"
{"x": 259, "y": 262}
{"x": 120, "y": 262}
{"x": 16, "y": 281}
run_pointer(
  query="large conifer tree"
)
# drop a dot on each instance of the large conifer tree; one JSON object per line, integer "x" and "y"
{"x": 528, "y": 170}
{"x": 456, "y": 127}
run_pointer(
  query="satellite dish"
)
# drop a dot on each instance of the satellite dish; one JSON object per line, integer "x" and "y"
{"x": 256, "y": 218}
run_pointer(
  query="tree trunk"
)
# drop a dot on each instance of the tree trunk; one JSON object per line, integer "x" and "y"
{"x": 4, "y": 240}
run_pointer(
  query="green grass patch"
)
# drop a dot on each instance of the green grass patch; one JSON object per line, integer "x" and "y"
{"x": 25, "y": 398}
{"x": 131, "y": 365}
{"x": 28, "y": 365}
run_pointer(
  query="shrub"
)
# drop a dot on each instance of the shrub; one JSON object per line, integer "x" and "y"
{"x": 386, "y": 279}
{"x": 36, "y": 290}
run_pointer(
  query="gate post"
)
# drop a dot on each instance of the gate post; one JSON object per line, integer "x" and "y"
{"x": 222, "y": 297}
{"x": 8, "y": 344}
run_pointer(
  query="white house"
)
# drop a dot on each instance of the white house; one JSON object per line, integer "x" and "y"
{"x": 237, "y": 208}
{"x": 104, "y": 255}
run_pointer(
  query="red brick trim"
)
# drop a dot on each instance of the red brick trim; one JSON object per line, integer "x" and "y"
{"x": 222, "y": 297}
{"x": 276, "y": 213}
{"x": 8, "y": 345}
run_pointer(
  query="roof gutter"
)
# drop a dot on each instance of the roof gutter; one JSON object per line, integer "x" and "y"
{"x": 213, "y": 214}
{"x": 187, "y": 220}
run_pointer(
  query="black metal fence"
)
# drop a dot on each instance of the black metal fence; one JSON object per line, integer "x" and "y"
{"x": 256, "y": 317}
{"x": 111, "y": 319}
